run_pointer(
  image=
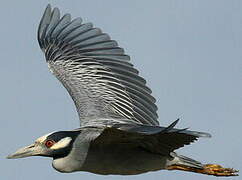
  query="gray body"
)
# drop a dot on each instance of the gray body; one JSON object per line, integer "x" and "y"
{"x": 120, "y": 132}
{"x": 120, "y": 159}
{"x": 105, "y": 150}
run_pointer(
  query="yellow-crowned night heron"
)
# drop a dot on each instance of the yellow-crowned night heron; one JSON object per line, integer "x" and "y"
{"x": 119, "y": 131}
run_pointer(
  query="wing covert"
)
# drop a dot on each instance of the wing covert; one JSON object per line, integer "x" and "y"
{"x": 94, "y": 70}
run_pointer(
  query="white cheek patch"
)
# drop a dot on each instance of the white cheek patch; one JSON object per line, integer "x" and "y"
{"x": 62, "y": 143}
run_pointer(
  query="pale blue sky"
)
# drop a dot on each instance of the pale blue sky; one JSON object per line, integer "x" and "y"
{"x": 189, "y": 52}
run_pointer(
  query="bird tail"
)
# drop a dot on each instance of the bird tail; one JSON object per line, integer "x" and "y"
{"x": 184, "y": 163}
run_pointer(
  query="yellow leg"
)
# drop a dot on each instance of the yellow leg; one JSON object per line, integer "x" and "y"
{"x": 209, "y": 169}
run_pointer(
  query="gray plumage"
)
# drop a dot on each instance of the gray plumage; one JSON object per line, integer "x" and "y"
{"x": 119, "y": 132}
{"x": 95, "y": 71}
{"x": 106, "y": 88}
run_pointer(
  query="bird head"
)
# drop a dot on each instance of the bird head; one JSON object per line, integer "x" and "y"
{"x": 57, "y": 144}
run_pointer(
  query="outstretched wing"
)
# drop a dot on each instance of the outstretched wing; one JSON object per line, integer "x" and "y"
{"x": 156, "y": 139}
{"x": 95, "y": 71}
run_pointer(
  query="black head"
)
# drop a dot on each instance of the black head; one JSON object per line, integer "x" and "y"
{"x": 56, "y": 145}
{"x": 60, "y": 143}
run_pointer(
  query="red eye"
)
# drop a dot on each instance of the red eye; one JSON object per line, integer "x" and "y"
{"x": 49, "y": 143}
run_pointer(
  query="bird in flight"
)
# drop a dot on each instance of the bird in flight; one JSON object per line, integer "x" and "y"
{"x": 119, "y": 132}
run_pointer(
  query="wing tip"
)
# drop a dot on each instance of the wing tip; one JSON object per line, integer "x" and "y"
{"x": 48, "y": 6}
{"x": 186, "y": 131}
{"x": 43, "y": 22}
{"x": 53, "y": 28}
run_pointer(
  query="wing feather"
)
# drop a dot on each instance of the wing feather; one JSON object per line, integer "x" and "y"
{"x": 156, "y": 139}
{"x": 95, "y": 71}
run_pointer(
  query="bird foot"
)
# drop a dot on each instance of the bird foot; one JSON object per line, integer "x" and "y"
{"x": 209, "y": 169}
{"x": 217, "y": 170}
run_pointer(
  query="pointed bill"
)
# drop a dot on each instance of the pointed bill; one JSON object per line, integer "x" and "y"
{"x": 27, "y": 151}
